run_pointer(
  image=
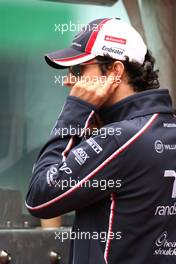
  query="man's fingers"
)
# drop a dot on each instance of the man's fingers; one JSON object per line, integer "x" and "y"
{"x": 108, "y": 85}
{"x": 95, "y": 92}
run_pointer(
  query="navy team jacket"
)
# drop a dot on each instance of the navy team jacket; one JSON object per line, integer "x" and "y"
{"x": 121, "y": 181}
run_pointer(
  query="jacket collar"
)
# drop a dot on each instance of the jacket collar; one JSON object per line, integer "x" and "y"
{"x": 139, "y": 104}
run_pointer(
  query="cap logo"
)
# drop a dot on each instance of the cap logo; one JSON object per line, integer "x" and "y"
{"x": 115, "y": 39}
{"x": 113, "y": 50}
{"x": 76, "y": 44}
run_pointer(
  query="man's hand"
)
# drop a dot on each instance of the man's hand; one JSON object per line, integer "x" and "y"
{"x": 94, "y": 92}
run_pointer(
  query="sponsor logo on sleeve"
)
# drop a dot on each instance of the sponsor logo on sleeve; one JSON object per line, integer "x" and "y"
{"x": 80, "y": 156}
{"x": 94, "y": 145}
{"x": 53, "y": 171}
{"x": 65, "y": 168}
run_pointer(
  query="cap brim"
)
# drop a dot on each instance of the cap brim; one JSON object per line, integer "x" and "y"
{"x": 67, "y": 57}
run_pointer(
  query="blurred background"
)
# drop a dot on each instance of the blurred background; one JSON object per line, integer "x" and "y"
{"x": 31, "y": 97}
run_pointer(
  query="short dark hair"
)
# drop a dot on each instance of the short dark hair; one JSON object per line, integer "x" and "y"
{"x": 141, "y": 76}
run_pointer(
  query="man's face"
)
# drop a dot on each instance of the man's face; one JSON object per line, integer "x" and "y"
{"x": 89, "y": 71}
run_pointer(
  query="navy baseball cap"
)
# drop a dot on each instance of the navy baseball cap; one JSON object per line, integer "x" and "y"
{"x": 105, "y": 36}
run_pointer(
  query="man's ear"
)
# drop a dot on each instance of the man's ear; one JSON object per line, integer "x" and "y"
{"x": 118, "y": 68}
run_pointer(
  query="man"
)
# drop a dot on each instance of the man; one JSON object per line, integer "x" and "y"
{"x": 125, "y": 175}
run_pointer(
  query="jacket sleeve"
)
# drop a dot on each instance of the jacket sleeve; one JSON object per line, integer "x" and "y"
{"x": 70, "y": 174}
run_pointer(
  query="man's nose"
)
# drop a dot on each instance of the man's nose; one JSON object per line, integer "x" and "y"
{"x": 69, "y": 80}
